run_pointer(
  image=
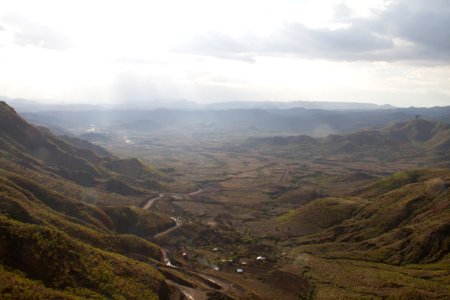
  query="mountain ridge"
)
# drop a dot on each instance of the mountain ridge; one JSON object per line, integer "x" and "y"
{"x": 55, "y": 241}
{"x": 420, "y": 138}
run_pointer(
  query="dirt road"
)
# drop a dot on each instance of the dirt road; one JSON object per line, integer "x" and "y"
{"x": 151, "y": 202}
{"x": 285, "y": 175}
{"x": 178, "y": 223}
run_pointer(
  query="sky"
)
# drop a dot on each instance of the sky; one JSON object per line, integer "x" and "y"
{"x": 106, "y": 51}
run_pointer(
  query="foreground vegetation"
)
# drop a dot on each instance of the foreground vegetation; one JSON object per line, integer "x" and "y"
{"x": 52, "y": 245}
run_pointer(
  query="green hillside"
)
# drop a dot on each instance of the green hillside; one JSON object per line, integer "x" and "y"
{"x": 389, "y": 238}
{"x": 403, "y": 218}
{"x": 53, "y": 242}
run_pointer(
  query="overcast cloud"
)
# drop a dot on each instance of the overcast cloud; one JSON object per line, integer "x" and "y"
{"x": 102, "y": 51}
{"x": 407, "y": 30}
{"x": 27, "y": 32}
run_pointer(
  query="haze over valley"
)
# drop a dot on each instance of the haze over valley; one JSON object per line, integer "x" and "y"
{"x": 227, "y": 150}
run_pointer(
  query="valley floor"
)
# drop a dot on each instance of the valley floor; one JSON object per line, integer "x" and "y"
{"x": 232, "y": 194}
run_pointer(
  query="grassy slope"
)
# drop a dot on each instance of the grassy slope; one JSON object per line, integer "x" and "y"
{"x": 318, "y": 214}
{"x": 63, "y": 263}
{"x": 14, "y": 285}
{"x": 390, "y": 240}
{"x": 44, "y": 237}
{"x": 134, "y": 220}
{"x": 359, "y": 279}
{"x": 399, "y": 219}
{"x": 53, "y": 244}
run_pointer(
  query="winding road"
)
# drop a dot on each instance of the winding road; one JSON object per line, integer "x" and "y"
{"x": 214, "y": 282}
{"x": 196, "y": 192}
{"x": 178, "y": 223}
{"x": 151, "y": 202}
{"x": 285, "y": 175}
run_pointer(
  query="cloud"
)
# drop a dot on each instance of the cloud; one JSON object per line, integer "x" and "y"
{"x": 422, "y": 23}
{"x": 405, "y": 30}
{"x": 219, "y": 45}
{"x": 140, "y": 61}
{"x": 27, "y": 32}
{"x": 342, "y": 12}
{"x": 345, "y": 43}
{"x": 215, "y": 79}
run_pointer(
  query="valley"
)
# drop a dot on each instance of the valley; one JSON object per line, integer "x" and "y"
{"x": 225, "y": 214}
{"x": 254, "y": 191}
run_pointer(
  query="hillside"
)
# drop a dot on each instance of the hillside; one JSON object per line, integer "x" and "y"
{"x": 70, "y": 158}
{"x": 53, "y": 243}
{"x": 417, "y": 139}
{"x": 416, "y": 133}
{"x": 386, "y": 239}
{"x": 356, "y": 230}
{"x": 69, "y": 245}
{"x": 400, "y": 219}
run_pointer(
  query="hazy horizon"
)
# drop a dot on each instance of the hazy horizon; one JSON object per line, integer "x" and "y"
{"x": 170, "y": 103}
{"x": 110, "y": 52}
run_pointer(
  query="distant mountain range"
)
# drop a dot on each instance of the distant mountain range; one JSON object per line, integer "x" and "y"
{"x": 325, "y": 105}
{"x": 245, "y": 122}
{"x": 24, "y": 105}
